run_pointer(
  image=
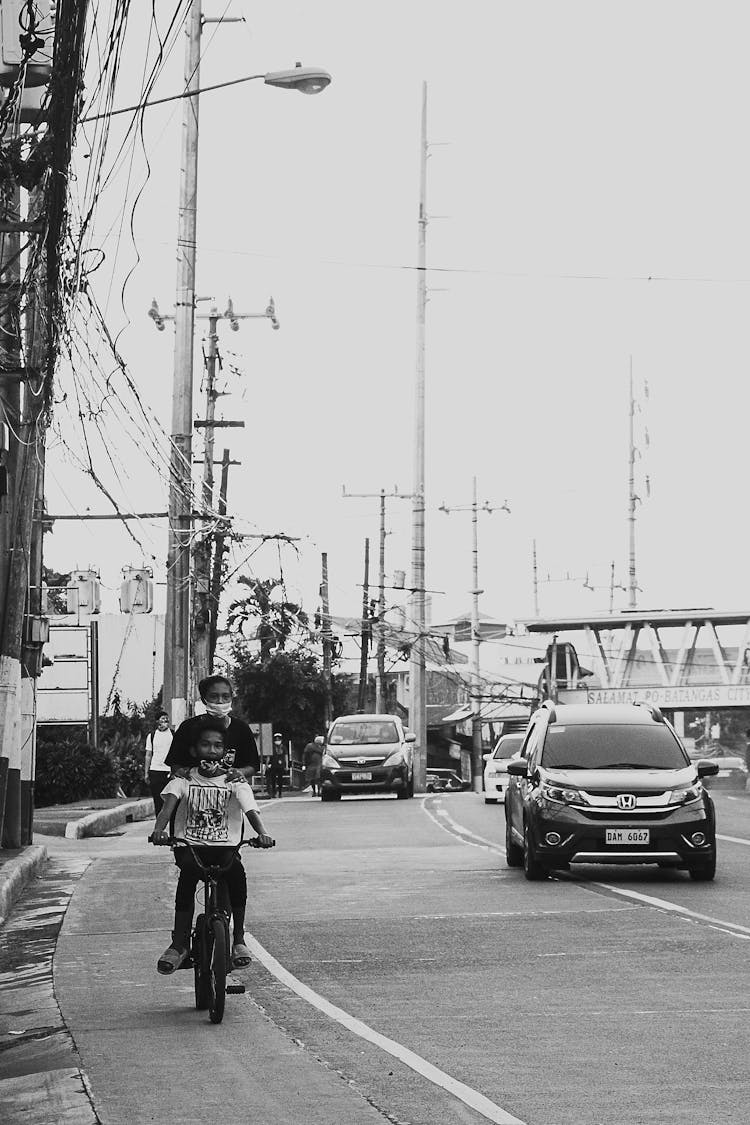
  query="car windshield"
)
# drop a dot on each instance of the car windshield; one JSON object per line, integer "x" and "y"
{"x": 608, "y": 746}
{"x": 508, "y": 747}
{"x": 358, "y": 734}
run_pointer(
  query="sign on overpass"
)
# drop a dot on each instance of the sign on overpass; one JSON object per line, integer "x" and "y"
{"x": 678, "y": 659}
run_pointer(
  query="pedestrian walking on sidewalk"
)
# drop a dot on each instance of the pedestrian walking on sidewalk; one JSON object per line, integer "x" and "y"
{"x": 275, "y": 770}
{"x": 155, "y": 769}
{"x": 312, "y": 756}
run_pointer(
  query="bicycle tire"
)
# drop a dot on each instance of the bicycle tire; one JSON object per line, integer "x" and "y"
{"x": 218, "y": 968}
{"x": 201, "y": 964}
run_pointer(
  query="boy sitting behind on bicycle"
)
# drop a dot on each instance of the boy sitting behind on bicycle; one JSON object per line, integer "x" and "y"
{"x": 211, "y": 814}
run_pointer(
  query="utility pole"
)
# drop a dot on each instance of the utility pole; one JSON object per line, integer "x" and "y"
{"x": 536, "y": 579}
{"x": 326, "y": 629}
{"x": 202, "y": 623}
{"x": 381, "y": 693}
{"x": 477, "y": 761}
{"x": 632, "y": 498}
{"x": 177, "y": 618}
{"x": 362, "y": 695}
{"x": 417, "y": 685}
{"x": 218, "y": 559}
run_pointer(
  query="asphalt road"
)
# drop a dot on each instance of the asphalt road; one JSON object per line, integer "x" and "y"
{"x": 403, "y": 973}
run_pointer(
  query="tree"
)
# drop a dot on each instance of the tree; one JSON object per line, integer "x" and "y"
{"x": 278, "y": 620}
{"x": 57, "y": 601}
{"x": 287, "y": 690}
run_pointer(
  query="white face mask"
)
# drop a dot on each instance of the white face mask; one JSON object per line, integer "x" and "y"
{"x": 219, "y": 710}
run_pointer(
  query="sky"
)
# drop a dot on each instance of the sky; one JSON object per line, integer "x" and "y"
{"x": 587, "y": 193}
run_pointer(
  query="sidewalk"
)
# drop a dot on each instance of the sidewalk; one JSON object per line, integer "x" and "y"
{"x": 18, "y": 866}
{"x": 93, "y": 817}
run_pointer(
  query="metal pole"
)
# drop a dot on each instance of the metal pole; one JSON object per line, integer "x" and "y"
{"x": 177, "y": 623}
{"x": 536, "y": 580}
{"x": 417, "y": 686}
{"x": 477, "y": 765}
{"x": 380, "y": 689}
{"x": 326, "y": 626}
{"x": 218, "y": 560}
{"x": 203, "y": 609}
{"x": 632, "y": 583}
{"x": 362, "y": 696}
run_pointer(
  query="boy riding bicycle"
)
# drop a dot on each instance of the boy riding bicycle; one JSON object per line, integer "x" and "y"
{"x": 211, "y": 814}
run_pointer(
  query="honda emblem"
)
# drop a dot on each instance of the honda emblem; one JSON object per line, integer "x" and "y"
{"x": 626, "y": 801}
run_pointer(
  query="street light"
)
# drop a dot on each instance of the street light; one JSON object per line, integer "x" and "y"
{"x": 306, "y": 79}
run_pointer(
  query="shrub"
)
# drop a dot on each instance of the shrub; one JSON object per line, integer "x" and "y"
{"x": 68, "y": 771}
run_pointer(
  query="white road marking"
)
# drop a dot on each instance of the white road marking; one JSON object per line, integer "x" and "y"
{"x": 742, "y": 932}
{"x": 465, "y": 1094}
{"x": 731, "y": 928}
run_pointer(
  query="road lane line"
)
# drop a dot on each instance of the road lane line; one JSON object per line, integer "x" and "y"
{"x": 458, "y": 831}
{"x": 731, "y": 928}
{"x": 465, "y": 1094}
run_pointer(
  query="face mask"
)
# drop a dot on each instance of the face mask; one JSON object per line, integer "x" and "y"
{"x": 209, "y": 768}
{"x": 219, "y": 710}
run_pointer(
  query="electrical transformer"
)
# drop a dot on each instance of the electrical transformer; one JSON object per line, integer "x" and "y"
{"x": 137, "y": 590}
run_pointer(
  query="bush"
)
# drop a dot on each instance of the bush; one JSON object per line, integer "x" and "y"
{"x": 69, "y": 771}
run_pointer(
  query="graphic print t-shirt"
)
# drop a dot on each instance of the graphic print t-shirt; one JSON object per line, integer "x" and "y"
{"x": 211, "y": 812}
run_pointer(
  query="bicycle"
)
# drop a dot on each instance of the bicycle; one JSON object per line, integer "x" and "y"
{"x": 209, "y": 940}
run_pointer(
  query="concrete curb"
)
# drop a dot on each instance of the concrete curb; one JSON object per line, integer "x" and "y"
{"x": 104, "y": 820}
{"x": 16, "y": 873}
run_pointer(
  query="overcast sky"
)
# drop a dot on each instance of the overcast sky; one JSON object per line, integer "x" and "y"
{"x": 588, "y": 190}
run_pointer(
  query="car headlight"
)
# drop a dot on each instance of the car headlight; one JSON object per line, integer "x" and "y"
{"x": 684, "y": 796}
{"x": 562, "y": 794}
{"x": 329, "y": 762}
{"x": 395, "y": 759}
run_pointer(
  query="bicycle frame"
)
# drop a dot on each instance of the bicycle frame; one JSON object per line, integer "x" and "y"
{"x": 210, "y": 939}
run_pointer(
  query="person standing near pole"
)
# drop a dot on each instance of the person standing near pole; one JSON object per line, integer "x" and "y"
{"x": 155, "y": 769}
{"x": 312, "y": 756}
{"x": 275, "y": 775}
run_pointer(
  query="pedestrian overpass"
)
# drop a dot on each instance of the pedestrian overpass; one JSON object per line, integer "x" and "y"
{"x": 679, "y": 660}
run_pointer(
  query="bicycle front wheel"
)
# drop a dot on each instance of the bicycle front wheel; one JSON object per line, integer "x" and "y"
{"x": 201, "y": 954}
{"x": 218, "y": 968}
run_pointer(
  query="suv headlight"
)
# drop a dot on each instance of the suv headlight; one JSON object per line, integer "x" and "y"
{"x": 562, "y": 794}
{"x": 684, "y": 796}
{"x": 330, "y": 762}
{"x": 395, "y": 759}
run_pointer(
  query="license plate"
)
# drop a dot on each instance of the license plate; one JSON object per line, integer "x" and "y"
{"x": 361, "y": 777}
{"x": 723, "y": 773}
{"x": 627, "y": 836}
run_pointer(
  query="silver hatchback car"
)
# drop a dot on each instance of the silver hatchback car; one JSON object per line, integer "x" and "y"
{"x": 367, "y": 754}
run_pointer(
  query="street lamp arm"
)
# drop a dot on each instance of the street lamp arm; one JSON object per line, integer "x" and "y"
{"x": 171, "y": 98}
{"x": 306, "y": 79}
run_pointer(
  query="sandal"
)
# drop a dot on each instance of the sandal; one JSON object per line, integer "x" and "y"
{"x": 170, "y": 960}
{"x": 240, "y": 955}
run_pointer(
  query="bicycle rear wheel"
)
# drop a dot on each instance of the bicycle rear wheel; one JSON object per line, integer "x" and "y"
{"x": 201, "y": 940}
{"x": 218, "y": 968}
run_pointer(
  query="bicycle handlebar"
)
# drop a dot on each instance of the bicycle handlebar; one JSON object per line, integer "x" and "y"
{"x": 216, "y": 868}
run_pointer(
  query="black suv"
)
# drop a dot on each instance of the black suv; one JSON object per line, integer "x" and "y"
{"x": 607, "y": 783}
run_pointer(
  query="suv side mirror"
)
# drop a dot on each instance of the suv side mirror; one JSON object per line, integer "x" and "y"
{"x": 518, "y": 767}
{"x": 485, "y": 757}
{"x": 707, "y": 769}
{"x": 410, "y": 737}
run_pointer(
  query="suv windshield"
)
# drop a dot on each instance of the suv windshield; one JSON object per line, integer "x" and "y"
{"x": 607, "y": 746}
{"x": 358, "y": 734}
